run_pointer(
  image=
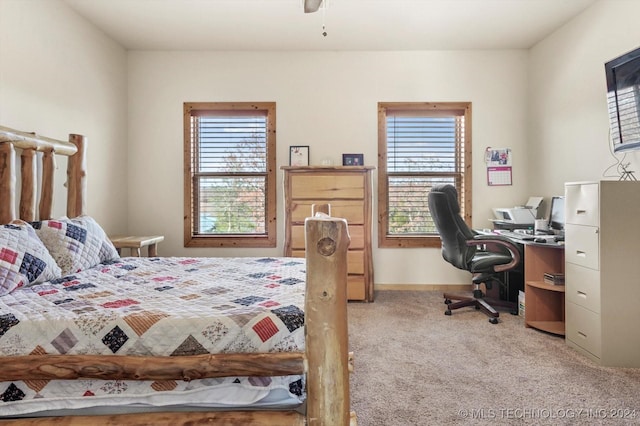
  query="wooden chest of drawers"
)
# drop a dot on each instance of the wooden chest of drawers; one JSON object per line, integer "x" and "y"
{"x": 348, "y": 191}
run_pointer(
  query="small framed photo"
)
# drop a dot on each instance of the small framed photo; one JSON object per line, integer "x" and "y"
{"x": 299, "y": 155}
{"x": 353, "y": 159}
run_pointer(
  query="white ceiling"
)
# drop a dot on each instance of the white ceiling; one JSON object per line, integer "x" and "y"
{"x": 350, "y": 24}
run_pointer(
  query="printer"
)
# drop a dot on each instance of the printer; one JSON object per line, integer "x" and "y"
{"x": 519, "y": 215}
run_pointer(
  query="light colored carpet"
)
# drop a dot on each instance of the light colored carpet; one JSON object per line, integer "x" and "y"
{"x": 416, "y": 366}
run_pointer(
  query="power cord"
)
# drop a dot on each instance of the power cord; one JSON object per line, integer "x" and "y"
{"x": 621, "y": 168}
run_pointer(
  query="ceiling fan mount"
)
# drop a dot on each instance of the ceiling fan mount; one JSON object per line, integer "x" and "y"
{"x": 311, "y": 6}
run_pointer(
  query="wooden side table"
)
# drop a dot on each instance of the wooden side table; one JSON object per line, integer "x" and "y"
{"x": 134, "y": 244}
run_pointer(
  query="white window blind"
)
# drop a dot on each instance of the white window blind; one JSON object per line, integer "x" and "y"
{"x": 424, "y": 148}
{"x": 229, "y": 154}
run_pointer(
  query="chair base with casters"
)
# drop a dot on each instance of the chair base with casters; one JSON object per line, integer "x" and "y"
{"x": 478, "y": 300}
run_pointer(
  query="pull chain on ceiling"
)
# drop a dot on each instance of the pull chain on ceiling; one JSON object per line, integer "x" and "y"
{"x": 311, "y": 6}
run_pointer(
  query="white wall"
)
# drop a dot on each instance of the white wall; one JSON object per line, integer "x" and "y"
{"x": 327, "y": 100}
{"x": 60, "y": 75}
{"x": 569, "y": 128}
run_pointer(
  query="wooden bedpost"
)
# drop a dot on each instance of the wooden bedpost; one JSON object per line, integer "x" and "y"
{"x": 77, "y": 178}
{"x": 45, "y": 208}
{"x": 326, "y": 339}
{"x": 28, "y": 185}
{"x": 7, "y": 183}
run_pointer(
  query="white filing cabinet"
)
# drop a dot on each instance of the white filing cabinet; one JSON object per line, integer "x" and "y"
{"x": 602, "y": 277}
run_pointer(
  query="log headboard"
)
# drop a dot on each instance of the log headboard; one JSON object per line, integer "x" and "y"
{"x": 29, "y": 144}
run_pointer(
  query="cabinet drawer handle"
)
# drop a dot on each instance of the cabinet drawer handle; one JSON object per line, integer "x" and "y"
{"x": 582, "y": 294}
{"x": 581, "y": 211}
{"x": 581, "y": 334}
{"x": 581, "y": 253}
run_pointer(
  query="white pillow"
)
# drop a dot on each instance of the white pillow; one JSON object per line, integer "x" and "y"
{"x": 24, "y": 259}
{"x": 76, "y": 244}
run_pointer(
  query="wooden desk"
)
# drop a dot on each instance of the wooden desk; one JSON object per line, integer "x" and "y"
{"x": 136, "y": 243}
{"x": 544, "y": 303}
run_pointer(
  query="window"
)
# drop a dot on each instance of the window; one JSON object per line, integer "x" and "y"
{"x": 420, "y": 145}
{"x": 230, "y": 178}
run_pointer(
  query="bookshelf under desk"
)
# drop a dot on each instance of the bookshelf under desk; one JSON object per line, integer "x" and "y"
{"x": 544, "y": 303}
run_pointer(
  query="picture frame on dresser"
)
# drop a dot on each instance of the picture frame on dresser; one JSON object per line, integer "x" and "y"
{"x": 352, "y": 159}
{"x": 299, "y": 155}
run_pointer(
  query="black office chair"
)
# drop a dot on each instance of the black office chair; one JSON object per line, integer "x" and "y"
{"x": 462, "y": 248}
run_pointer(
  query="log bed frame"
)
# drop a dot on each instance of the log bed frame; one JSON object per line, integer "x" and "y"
{"x": 325, "y": 361}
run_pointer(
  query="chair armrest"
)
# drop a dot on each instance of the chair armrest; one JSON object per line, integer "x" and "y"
{"x": 501, "y": 241}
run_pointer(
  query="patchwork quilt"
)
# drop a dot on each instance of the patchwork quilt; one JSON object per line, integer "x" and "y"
{"x": 159, "y": 307}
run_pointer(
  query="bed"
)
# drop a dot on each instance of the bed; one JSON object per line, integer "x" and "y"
{"x": 99, "y": 339}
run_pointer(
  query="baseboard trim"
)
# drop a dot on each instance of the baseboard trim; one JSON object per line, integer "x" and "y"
{"x": 422, "y": 287}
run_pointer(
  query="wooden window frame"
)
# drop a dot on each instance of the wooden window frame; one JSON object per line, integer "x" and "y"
{"x": 385, "y": 240}
{"x": 268, "y": 239}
